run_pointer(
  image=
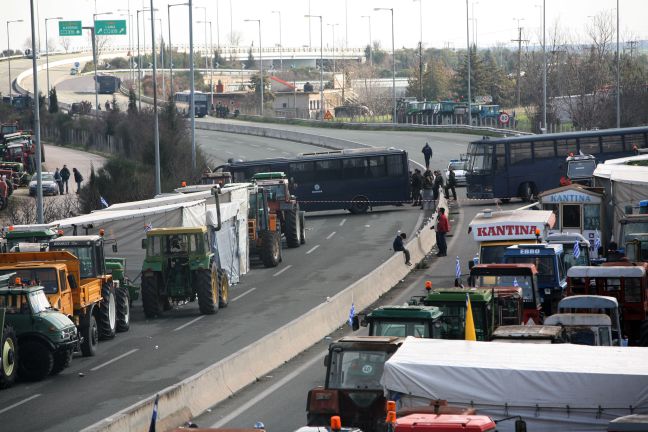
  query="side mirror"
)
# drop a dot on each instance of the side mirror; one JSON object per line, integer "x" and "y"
{"x": 520, "y": 426}
{"x": 144, "y": 243}
{"x": 114, "y": 248}
{"x": 327, "y": 360}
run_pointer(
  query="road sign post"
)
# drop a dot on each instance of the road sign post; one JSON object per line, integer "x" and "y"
{"x": 110, "y": 27}
{"x": 70, "y": 28}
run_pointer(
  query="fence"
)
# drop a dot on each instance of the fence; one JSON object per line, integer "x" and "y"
{"x": 78, "y": 137}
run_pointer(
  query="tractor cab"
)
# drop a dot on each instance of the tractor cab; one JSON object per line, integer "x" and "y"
{"x": 89, "y": 249}
{"x": 580, "y": 169}
{"x": 29, "y": 237}
{"x": 278, "y": 189}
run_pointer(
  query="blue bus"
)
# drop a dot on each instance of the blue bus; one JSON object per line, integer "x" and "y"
{"x": 349, "y": 179}
{"x": 524, "y": 166}
{"x": 107, "y": 84}
{"x": 183, "y": 103}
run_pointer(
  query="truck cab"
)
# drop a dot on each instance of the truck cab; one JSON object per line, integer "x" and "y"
{"x": 401, "y": 321}
{"x": 37, "y": 236}
{"x": 548, "y": 259}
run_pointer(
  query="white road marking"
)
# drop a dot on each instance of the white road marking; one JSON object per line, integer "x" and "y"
{"x": 115, "y": 359}
{"x": 328, "y": 237}
{"x": 342, "y": 222}
{"x": 228, "y": 152}
{"x": 3, "y": 410}
{"x": 243, "y": 294}
{"x": 270, "y": 391}
{"x": 255, "y": 145}
{"x": 189, "y": 323}
{"x": 282, "y": 270}
{"x": 312, "y": 249}
{"x": 367, "y": 226}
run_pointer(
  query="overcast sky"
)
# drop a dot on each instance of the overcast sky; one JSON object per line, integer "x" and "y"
{"x": 444, "y": 21}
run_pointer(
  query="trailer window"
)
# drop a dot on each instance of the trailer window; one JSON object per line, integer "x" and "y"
{"x": 153, "y": 246}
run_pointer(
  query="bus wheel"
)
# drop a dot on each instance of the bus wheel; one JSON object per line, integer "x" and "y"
{"x": 526, "y": 192}
{"x": 359, "y": 205}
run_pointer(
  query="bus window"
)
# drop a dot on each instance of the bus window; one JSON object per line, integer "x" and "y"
{"x": 304, "y": 172}
{"x": 355, "y": 168}
{"x": 589, "y": 145}
{"x": 520, "y": 152}
{"x": 394, "y": 166}
{"x": 543, "y": 150}
{"x": 480, "y": 157}
{"x": 612, "y": 143}
{"x": 571, "y": 216}
{"x": 376, "y": 167}
{"x": 500, "y": 158}
{"x": 566, "y": 146}
{"x": 328, "y": 170}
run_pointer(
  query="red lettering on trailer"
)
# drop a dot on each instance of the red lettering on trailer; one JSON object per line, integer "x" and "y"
{"x": 506, "y": 230}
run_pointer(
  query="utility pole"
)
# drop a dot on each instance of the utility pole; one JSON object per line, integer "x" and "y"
{"x": 633, "y": 44}
{"x": 469, "y": 72}
{"x": 39, "y": 168}
{"x": 156, "y": 131}
{"x": 519, "y": 40}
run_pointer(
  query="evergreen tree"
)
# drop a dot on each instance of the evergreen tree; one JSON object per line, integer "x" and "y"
{"x": 132, "y": 102}
{"x": 436, "y": 82}
{"x": 53, "y": 104}
{"x": 250, "y": 62}
{"x": 478, "y": 82}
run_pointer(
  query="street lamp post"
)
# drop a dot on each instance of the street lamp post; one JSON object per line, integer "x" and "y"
{"x": 161, "y": 56}
{"x": 468, "y": 54}
{"x": 258, "y": 21}
{"x": 370, "y": 48}
{"x": 156, "y": 132}
{"x": 139, "y": 56}
{"x": 280, "y": 44}
{"x": 420, "y": 49}
{"x": 8, "y": 50}
{"x": 171, "y": 46}
{"x": 544, "y": 68}
{"x": 211, "y": 64}
{"x": 393, "y": 61}
{"x": 192, "y": 88}
{"x": 94, "y": 58}
{"x": 130, "y": 37}
{"x": 618, "y": 74}
{"x": 333, "y": 29}
{"x": 47, "y": 57}
{"x": 36, "y": 108}
{"x": 204, "y": 21}
{"x": 321, "y": 61}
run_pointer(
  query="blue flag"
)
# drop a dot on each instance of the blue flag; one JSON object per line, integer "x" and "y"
{"x": 103, "y": 202}
{"x": 576, "y": 249}
{"x": 155, "y": 414}
{"x": 457, "y": 269}
{"x": 515, "y": 283}
{"x": 597, "y": 240}
{"x": 351, "y": 315}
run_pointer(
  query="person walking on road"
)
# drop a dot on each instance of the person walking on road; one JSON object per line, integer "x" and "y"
{"x": 399, "y": 246}
{"x": 65, "y": 176}
{"x": 450, "y": 186}
{"x": 59, "y": 180}
{"x": 428, "y": 193}
{"x": 417, "y": 184}
{"x": 427, "y": 153}
{"x": 78, "y": 178}
{"x": 442, "y": 228}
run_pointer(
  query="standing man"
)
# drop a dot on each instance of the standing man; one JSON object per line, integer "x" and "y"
{"x": 427, "y": 153}
{"x": 442, "y": 228}
{"x": 78, "y": 178}
{"x": 438, "y": 186}
{"x": 452, "y": 182}
{"x": 399, "y": 246}
{"x": 65, "y": 176}
{"x": 417, "y": 184}
{"x": 59, "y": 180}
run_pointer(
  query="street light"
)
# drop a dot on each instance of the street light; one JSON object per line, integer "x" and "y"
{"x": 321, "y": 61}
{"x": 333, "y": 28}
{"x": 204, "y": 21}
{"x": 139, "y": 56}
{"x": 260, "y": 60}
{"x": 370, "y": 49}
{"x": 420, "y": 49}
{"x": 468, "y": 54}
{"x": 47, "y": 56}
{"x": 162, "y": 56}
{"x": 36, "y": 108}
{"x": 156, "y": 132}
{"x": 130, "y": 37}
{"x": 94, "y": 57}
{"x": 8, "y": 51}
{"x": 280, "y": 44}
{"x": 393, "y": 60}
{"x": 192, "y": 89}
{"x": 618, "y": 75}
{"x": 172, "y": 91}
{"x": 211, "y": 64}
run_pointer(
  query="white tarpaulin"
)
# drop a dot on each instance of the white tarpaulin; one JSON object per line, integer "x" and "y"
{"x": 553, "y": 387}
{"x": 176, "y": 198}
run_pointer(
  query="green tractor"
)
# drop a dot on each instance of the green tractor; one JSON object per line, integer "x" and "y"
{"x": 180, "y": 266}
{"x": 117, "y": 268}
{"x": 264, "y": 227}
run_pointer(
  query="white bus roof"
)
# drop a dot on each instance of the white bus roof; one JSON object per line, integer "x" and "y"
{"x": 605, "y": 271}
{"x": 511, "y": 224}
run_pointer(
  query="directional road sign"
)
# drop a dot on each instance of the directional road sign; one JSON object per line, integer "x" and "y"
{"x": 69, "y": 28}
{"x": 110, "y": 27}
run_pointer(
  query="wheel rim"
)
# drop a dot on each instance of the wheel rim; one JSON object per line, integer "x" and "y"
{"x": 112, "y": 314}
{"x": 360, "y": 204}
{"x": 8, "y": 353}
{"x": 214, "y": 286}
{"x": 224, "y": 289}
{"x": 94, "y": 334}
{"x": 127, "y": 312}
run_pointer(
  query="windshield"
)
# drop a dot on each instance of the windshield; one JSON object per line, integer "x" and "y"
{"x": 453, "y": 321}
{"x": 400, "y": 328}
{"x": 12, "y": 242}
{"x": 45, "y": 177}
{"x": 39, "y": 302}
{"x": 581, "y": 169}
{"x": 458, "y": 165}
{"x": 276, "y": 192}
{"x": 45, "y": 277}
{"x": 524, "y": 282}
{"x": 479, "y": 157}
{"x": 492, "y": 254}
{"x": 85, "y": 256}
{"x": 569, "y": 260}
{"x": 356, "y": 369}
{"x": 173, "y": 244}
{"x": 544, "y": 264}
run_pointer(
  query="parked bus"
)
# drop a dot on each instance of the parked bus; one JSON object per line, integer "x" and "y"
{"x": 183, "y": 102}
{"x": 350, "y": 179}
{"x": 108, "y": 84}
{"x": 524, "y": 166}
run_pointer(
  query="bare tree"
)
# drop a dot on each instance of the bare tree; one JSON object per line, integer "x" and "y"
{"x": 66, "y": 43}
{"x": 28, "y": 43}
{"x": 51, "y": 44}
{"x": 21, "y": 211}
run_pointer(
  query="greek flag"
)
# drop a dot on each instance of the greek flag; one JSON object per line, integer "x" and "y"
{"x": 351, "y": 315}
{"x": 103, "y": 202}
{"x": 148, "y": 227}
{"x": 515, "y": 283}
{"x": 154, "y": 415}
{"x": 597, "y": 240}
{"x": 576, "y": 249}
{"x": 457, "y": 269}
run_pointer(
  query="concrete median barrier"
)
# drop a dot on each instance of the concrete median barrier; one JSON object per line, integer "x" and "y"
{"x": 192, "y": 396}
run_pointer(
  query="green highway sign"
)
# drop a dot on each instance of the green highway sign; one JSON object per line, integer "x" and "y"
{"x": 110, "y": 27}
{"x": 69, "y": 28}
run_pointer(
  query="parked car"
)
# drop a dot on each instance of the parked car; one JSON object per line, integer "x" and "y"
{"x": 74, "y": 71}
{"x": 459, "y": 167}
{"x": 50, "y": 187}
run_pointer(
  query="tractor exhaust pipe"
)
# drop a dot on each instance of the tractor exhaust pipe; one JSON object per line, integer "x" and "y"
{"x": 216, "y": 191}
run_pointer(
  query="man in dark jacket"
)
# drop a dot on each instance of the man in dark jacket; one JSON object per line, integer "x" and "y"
{"x": 438, "y": 186}
{"x": 417, "y": 185}
{"x": 427, "y": 154}
{"x": 452, "y": 182}
{"x": 399, "y": 246}
{"x": 65, "y": 176}
{"x": 78, "y": 178}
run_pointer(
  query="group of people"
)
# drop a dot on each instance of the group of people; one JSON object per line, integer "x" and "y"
{"x": 62, "y": 176}
{"x": 427, "y": 187}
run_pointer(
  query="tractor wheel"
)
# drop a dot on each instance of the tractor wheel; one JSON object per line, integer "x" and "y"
{"x": 360, "y": 205}
{"x": 10, "y": 187}
{"x": 292, "y": 227}
{"x": 270, "y": 248}
{"x": 107, "y": 313}
{"x": 223, "y": 292}
{"x": 123, "y": 309}
{"x": 8, "y": 357}
{"x": 90, "y": 333}
{"x": 62, "y": 360}
{"x": 302, "y": 227}
{"x": 150, "y": 299}
{"x": 643, "y": 334}
{"x": 36, "y": 361}
{"x": 206, "y": 282}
